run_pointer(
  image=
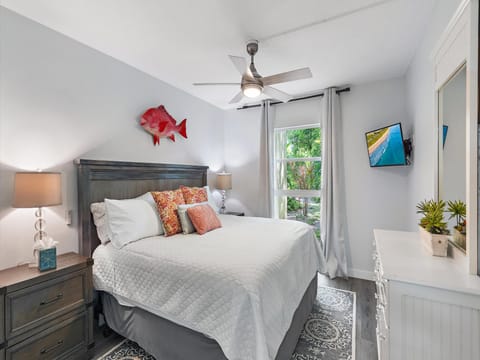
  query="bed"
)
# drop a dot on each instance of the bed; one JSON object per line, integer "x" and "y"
{"x": 240, "y": 292}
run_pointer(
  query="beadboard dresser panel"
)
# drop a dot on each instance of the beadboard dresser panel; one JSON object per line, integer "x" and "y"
{"x": 427, "y": 307}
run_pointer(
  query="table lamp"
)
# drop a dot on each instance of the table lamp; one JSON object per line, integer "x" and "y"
{"x": 224, "y": 183}
{"x": 37, "y": 190}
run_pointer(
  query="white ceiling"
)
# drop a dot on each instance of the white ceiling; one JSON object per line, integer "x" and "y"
{"x": 186, "y": 41}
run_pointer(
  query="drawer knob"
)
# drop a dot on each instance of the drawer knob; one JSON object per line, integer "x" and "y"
{"x": 47, "y": 349}
{"x": 51, "y": 301}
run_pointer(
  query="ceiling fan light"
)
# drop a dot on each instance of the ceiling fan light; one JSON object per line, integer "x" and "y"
{"x": 252, "y": 90}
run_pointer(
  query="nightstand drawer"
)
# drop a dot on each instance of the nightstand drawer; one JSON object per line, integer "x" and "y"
{"x": 58, "y": 342}
{"x": 40, "y": 303}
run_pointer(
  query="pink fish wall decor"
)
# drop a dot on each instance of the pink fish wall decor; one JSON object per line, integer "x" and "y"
{"x": 159, "y": 123}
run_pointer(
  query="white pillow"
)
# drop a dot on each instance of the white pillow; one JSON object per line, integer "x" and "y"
{"x": 131, "y": 220}
{"x": 149, "y": 199}
{"x": 211, "y": 201}
{"x": 100, "y": 221}
{"x": 187, "y": 226}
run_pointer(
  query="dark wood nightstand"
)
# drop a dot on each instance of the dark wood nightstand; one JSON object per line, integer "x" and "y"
{"x": 235, "y": 213}
{"x": 47, "y": 315}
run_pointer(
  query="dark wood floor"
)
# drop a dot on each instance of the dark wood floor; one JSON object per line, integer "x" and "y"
{"x": 366, "y": 345}
{"x": 104, "y": 341}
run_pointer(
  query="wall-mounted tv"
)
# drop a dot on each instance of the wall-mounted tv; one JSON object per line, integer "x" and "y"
{"x": 385, "y": 146}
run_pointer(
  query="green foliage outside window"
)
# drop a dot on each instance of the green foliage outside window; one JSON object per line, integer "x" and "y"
{"x": 303, "y": 175}
{"x": 303, "y": 143}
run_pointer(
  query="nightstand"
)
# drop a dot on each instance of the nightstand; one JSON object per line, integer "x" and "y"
{"x": 47, "y": 315}
{"x": 235, "y": 213}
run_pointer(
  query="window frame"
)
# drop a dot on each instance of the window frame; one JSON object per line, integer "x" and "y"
{"x": 278, "y": 193}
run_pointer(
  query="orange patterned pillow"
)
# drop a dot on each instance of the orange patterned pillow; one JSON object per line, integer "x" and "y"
{"x": 203, "y": 218}
{"x": 167, "y": 202}
{"x": 193, "y": 195}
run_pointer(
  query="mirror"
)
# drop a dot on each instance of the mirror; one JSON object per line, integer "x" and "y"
{"x": 452, "y": 137}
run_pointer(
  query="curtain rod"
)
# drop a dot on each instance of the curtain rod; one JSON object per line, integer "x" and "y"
{"x": 347, "y": 89}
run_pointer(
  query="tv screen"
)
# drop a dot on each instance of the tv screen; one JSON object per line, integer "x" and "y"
{"x": 385, "y": 146}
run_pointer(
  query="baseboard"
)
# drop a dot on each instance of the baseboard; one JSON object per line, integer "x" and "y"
{"x": 361, "y": 274}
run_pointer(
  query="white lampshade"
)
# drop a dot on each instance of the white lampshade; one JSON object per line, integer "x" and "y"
{"x": 37, "y": 189}
{"x": 224, "y": 181}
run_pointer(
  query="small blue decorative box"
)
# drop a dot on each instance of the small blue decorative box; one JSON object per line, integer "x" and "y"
{"x": 47, "y": 259}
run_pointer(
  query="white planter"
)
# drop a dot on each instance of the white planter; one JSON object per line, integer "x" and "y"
{"x": 459, "y": 238}
{"x": 436, "y": 244}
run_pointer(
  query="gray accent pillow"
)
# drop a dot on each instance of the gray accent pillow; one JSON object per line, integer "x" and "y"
{"x": 187, "y": 226}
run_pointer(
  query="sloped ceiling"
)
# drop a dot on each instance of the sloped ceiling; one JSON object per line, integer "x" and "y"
{"x": 186, "y": 41}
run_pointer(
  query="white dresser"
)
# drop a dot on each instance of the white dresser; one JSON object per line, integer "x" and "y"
{"x": 427, "y": 307}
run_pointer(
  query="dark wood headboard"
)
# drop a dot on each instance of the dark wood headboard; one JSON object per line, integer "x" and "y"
{"x": 98, "y": 180}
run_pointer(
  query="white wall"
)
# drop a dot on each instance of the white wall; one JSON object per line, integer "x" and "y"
{"x": 421, "y": 109}
{"x": 242, "y": 158}
{"x": 60, "y": 100}
{"x": 375, "y": 197}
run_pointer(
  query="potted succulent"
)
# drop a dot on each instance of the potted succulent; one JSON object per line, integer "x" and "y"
{"x": 433, "y": 228}
{"x": 458, "y": 210}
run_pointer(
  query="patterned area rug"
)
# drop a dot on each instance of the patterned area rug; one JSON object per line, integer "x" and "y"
{"x": 328, "y": 334}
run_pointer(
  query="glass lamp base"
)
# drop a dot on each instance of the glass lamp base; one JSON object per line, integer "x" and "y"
{"x": 222, "y": 209}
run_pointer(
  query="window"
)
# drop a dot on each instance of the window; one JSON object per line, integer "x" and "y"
{"x": 297, "y": 175}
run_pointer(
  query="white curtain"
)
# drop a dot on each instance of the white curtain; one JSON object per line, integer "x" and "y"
{"x": 266, "y": 160}
{"x": 333, "y": 230}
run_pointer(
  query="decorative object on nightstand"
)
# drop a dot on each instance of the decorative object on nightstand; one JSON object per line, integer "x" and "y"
{"x": 47, "y": 315}
{"x": 224, "y": 183}
{"x": 235, "y": 213}
{"x": 47, "y": 259}
{"x": 37, "y": 190}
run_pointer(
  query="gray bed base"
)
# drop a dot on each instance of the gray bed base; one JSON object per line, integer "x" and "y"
{"x": 166, "y": 340}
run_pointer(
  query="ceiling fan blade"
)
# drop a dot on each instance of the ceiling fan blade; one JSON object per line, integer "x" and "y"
{"x": 239, "y": 62}
{"x": 237, "y": 98}
{"x": 208, "y": 84}
{"x": 298, "y": 74}
{"x": 276, "y": 94}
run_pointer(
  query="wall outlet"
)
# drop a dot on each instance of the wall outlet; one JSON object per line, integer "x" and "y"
{"x": 68, "y": 217}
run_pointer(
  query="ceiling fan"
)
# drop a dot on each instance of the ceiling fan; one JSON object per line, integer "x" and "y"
{"x": 253, "y": 84}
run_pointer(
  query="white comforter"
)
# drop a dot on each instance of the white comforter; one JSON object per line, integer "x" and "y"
{"x": 240, "y": 284}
